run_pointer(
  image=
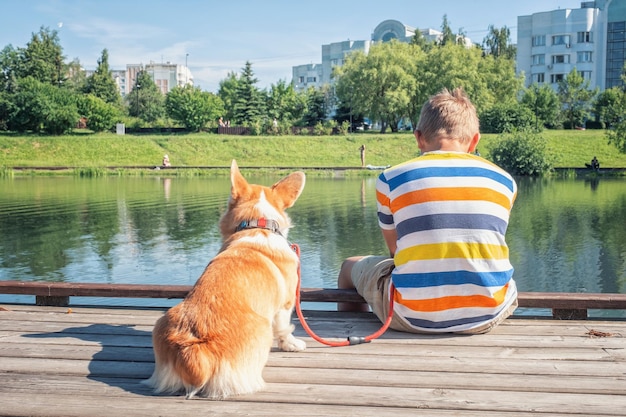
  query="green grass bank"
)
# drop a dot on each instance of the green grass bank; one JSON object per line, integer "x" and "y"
{"x": 570, "y": 148}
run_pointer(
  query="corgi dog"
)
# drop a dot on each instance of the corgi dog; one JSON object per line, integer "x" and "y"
{"x": 216, "y": 342}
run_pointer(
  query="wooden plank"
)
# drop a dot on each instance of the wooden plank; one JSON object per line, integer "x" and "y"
{"x": 55, "y": 405}
{"x": 306, "y": 393}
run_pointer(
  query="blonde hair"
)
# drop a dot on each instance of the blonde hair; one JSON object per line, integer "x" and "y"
{"x": 448, "y": 115}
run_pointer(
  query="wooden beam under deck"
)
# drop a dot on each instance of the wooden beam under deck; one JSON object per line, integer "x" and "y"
{"x": 563, "y": 305}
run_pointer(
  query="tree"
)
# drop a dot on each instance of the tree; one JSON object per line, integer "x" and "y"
{"x": 420, "y": 41}
{"x": 43, "y": 58}
{"x": 544, "y": 103}
{"x": 9, "y": 68}
{"x": 76, "y": 77}
{"x": 576, "y": 98}
{"x": 227, "y": 93}
{"x": 193, "y": 107}
{"x": 381, "y": 84}
{"x": 100, "y": 115}
{"x": 249, "y": 105}
{"x": 284, "y": 103}
{"x": 498, "y": 43}
{"x": 447, "y": 36}
{"x": 506, "y": 118}
{"x": 617, "y": 134}
{"x": 146, "y": 100}
{"x": 39, "y": 106}
{"x": 316, "y": 108}
{"x": 610, "y": 106}
{"x": 101, "y": 83}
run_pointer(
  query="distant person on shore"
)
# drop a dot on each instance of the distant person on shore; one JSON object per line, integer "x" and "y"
{"x": 362, "y": 149}
{"x": 443, "y": 217}
{"x": 595, "y": 164}
{"x": 166, "y": 161}
{"x": 221, "y": 122}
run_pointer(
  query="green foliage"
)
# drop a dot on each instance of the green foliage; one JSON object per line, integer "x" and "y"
{"x": 248, "y": 106}
{"x": 610, "y": 106}
{"x": 146, "y": 100}
{"x": 321, "y": 129}
{"x": 100, "y": 115}
{"x": 42, "y": 107}
{"x": 617, "y": 135}
{"x": 382, "y": 84}
{"x": 101, "y": 84}
{"x": 498, "y": 43}
{"x": 284, "y": 104}
{"x": 576, "y": 98}
{"x": 343, "y": 128}
{"x": 506, "y": 118}
{"x": 522, "y": 153}
{"x": 227, "y": 92}
{"x": 42, "y": 58}
{"x": 192, "y": 107}
{"x": 544, "y": 103}
{"x": 316, "y": 107}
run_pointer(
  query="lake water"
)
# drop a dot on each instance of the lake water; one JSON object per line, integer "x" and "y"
{"x": 564, "y": 235}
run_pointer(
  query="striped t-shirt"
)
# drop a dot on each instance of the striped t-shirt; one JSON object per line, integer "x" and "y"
{"x": 450, "y": 211}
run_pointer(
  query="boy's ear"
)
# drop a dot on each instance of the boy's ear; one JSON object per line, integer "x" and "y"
{"x": 474, "y": 143}
{"x": 421, "y": 143}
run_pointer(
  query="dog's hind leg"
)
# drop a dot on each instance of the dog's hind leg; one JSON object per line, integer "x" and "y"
{"x": 283, "y": 331}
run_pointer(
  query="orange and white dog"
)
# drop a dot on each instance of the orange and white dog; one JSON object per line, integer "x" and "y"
{"x": 216, "y": 342}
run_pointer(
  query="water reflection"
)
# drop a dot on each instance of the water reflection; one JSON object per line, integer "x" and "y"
{"x": 564, "y": 235}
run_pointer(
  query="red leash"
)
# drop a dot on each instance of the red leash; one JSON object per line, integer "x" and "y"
{"x": 351, "y": 340}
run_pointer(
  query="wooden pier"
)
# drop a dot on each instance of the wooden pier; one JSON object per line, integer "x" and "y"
{"x": 82, "y": 361}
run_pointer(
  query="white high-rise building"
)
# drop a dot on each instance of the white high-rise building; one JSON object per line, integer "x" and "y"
{"x": 334, "y": 54}
{"x": 591, "y": 39}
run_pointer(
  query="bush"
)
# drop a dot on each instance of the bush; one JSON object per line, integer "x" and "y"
{"x": 100, "y": 115}
{"x": 506, "y": 118}
{"x": 522, "y": 153}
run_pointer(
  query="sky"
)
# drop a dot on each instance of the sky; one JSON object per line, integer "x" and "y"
{"x": 217, "y": 37}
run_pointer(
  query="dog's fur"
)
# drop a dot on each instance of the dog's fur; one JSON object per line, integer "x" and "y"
{"x": 216, "y": 342}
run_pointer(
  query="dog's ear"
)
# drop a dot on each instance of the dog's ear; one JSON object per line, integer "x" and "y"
{"x": 289, "y": 189}
{"x": 238, "y": 184}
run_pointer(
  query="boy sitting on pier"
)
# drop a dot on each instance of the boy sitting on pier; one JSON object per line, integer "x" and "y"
{"x": 444, "y": 217}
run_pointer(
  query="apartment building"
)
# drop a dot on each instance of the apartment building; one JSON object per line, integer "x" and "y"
{"x": 334, "y": 54}
{"x": 165, "y": 75}
{"x": 591, "y": 39}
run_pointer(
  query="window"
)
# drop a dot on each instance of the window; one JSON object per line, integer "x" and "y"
{"x": 539, "y": 59}
{"x": 585, "y": 74}
{"x": 584, "y": 37}
{"x": 555, "y": 78}
{"x": 301, "y": 79}
{"x": 560, "y": 40}
{"x": 560, "y": 59}
{"x": 311, "y": 79}
{"x": 539, "y": 40}
{"x": 584, "y": 56}
{"x": 538, "y": 78}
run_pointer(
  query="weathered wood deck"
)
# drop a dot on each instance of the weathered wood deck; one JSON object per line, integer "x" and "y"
{"x": 77, "y": 361}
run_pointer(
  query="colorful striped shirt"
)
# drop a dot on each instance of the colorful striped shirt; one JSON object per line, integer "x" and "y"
{"x": 450, "y": 211}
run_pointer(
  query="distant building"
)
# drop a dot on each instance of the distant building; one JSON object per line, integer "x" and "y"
{"x": 166, "y": 76}
{"x": 591, "y": 39}
{"x": 334, "y": 54}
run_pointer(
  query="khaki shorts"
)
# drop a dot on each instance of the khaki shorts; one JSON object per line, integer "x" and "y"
{"x": 371, "y": 277}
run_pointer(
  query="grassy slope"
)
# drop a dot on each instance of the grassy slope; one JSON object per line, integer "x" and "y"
{"x": 570, "y": 148}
